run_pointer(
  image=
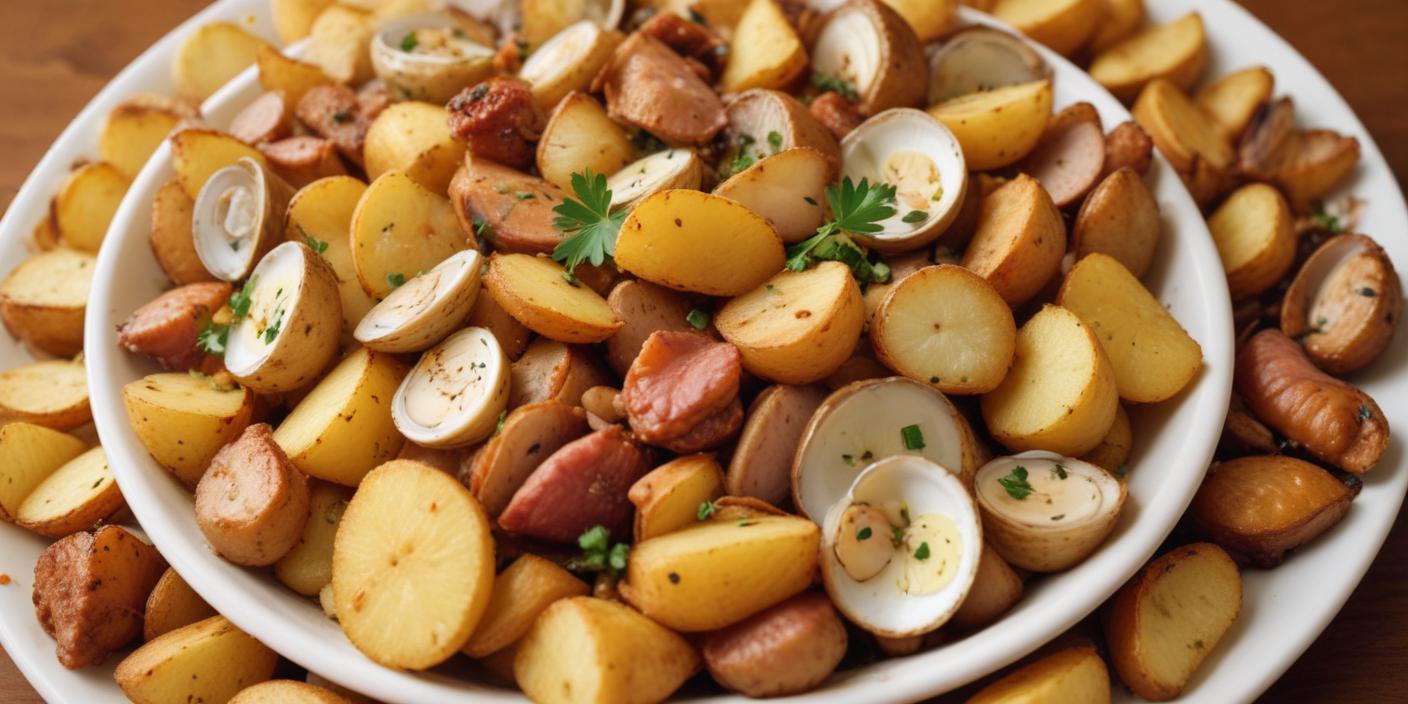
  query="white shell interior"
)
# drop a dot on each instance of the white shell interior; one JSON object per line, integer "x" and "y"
{"x": 386, "y": 44}
{"x": 649, "y": 174}
{"x": 455, "y": 391}
{"x": 1087, "y": 494}
{"x": 868, "y": 148}
{"x": 275, "y": 288}
{"x": 560, "y": 53}
{"x": 425, "y": 297}
{"x": 228, "y": 217}
{"x": 848, "y": 48}
{"x": 981, "y": 59}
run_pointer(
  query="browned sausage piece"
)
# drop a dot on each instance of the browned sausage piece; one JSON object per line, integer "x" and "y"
{"x": 265, "y": 119}
{"x": 252, "y": 503}
{"x": 643, "y": 308}
{"x": 333, "y": 112}
{"x": 679, "y": 381}
{"x": 500, "y": 121}
{"x": 689, "y": 39}
{"x": 838, "y": 114}
{"x": 762, "y": 462}
{"x": 304, "y": 159}
{"x": 530, "y": 435}
{"x": 787, "y": 649}
{"x": 167, "y": 327}
{"x": 650, "y": 86}
{"x": 490, "y": 201}
{"x": 583, "y": 484}
{"x": 373, "y": 97}
{"x": 1070, "y": 157}
{"x": 1128, "y": 145}
{"x": 90, "y": 591}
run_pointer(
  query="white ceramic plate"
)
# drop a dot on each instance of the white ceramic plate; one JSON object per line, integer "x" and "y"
{"x": 28, "y": 646}
{"x": 1285, "y": 609}
{"x": 1167, "y": 468}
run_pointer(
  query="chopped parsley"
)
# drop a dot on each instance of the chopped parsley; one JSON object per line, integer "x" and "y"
{"x": 503, "y": 415}
{"x": 341, "y": 116}
{"x": 923, "y": 552}
{"x": 913, "y": 437}
{"x": 588, "y": 222}
{"x": 599, "y": 554}
{"x": 1016, "y": 483}
{"x": 697, "y": 319}
{"x": 395, "y": 279}
{"x": 742, "y": 160}
{"x": 409, "y": 42}
{"x": 271, "y": 331}
{"x": 810, "y": 200}
{"x": 855, "y": 208}
{"x": 1325, "y": 220}
{"x": 214, "y": 337}
{"x": 706, "y": 509}
{"x": 775, "y": 140}
{"x": 914, "y": 216}
{"x": 240, "y": 300}
{"x": 314, "y": 243}
{"x": 842, "y": 86}
{"x": 1060, "y": 471}
{"x": 863, "y": 533}
{"x": 849, "y": 459}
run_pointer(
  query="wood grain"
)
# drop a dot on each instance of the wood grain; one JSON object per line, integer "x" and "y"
{"x": 56, "y": 54}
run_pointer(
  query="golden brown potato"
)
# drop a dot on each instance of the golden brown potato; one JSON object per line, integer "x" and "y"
{"x": 761, "y": 465}
{"x": 413, "y": 137}
{"x": 522, "y": 592}
{"x": 797, "y": 327}
{"x": 172, "y": 605}
{"x": 1119, "y": 218}
{"x": 568, "y": 62}
{"x": 1305, "y": 164}
{"x": 307, "y": 567}
{"x": 1233, "y": 99}
{"x": 1166, "y": 620}
{"x": 1122, "y": 19}
{"x": 85, "y": 204}
{"x": 766, "y": 51}
{"x": 171, "y": 240}
{"x": 488, "y": 314}
{"x": 643, "y": 308}
{"x": 1187, "y": 137}
{"x": 930, "y": 19}
{"x": 1019, "y": 241}
{"x": 581, "y": 138}
{"x": 536, "y": 292}
{"x": 789, "y": 648}
{"x": 339, "y": 42}
{"x": 293, "y": 18}
{"x": 1255, "y": 237}
{"x": 28, "y": 455}
{"x": 1176, "y": 52}
{"x": 1071, "y": 675}
{"x": 52, "y": 393}
{"x": 43, "y": 300}
{"x": 1344, "y": 304}
{"x": 196, "y": 153}
{"x": 693, "y": 241}
{"x": 320, "y": 215}
{"x": 530, "y": 434}
{"x": 209, "y": 661}
{"x": 210, "y": 56}
{"x": 288, "y": 692}
{"x": 287, "y": 74}
{"x": 946, "y": 326}
{"x": 74, "y": 497}
{"x": 137, "y": 126}
{"x": 251, "y": 503}
{"x": 787, "y": 188}
{"x": 1112, "y": 452}
{"x": 996, "y": 588}
{"x": 1063, "y": 25}
{"x": 183, "y": 420}
{"x": 399, "y": 228}
{"x": 998, "y": 127}
{"x": 671, "y": 495}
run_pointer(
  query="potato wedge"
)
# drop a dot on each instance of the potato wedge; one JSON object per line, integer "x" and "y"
{"x": 74, "y": 497}
{"x": 1305, "y": 164}
{"x": 196, "y": 153}
{"x": 1070, "y": 676}
{"x": 307, "y": 568}
{"x": 581, "y": 138}
{"x": 488, "y": 314}
{"x": 172, "y": 605}
{"x": 530, "y": 434}
{"x": 535, "y": 291}
{"x": 1120, "y": 218}
{"x": 1019, "y": 241}
{"x": 29, "y": 454}
{"x": 288, "y": 692}
{"x": 412, "y": 566}
{"x": 339, "y": 42}
{"x": 285, "y": 73}
{"x": 293, "y": 18}
{"x": 1063, "y": 25}
{"x": 521, "y": 593}
{"x": 798, "y": 327}
{"x": 1176, "y": 52}
{"x": 171, "y": 239}
{"x": 52, "y": 393}
{"x": 399, "y": 228}
{"x": 209, "y": 660}
{"x": 1187, "y": 137}
{"x": 693, "y": 241}
{"x": 1232, "y": 100}
{"x": 946, "y": 326}
{"x": 42, "y": 301}
{"x": 671, "y": 495}
{"x": 1259, "y": 508}
{"x": 1122, "y": 19}
{"x": 737, "y": 569}
{"x": 210, "y": 56}
{"x": 509, "y": 209}
{"x": 1112, "y": 452}
{"x": 1166, "y": 620}
{"x": 787, "y": 188}
{"x": 930, "y": 19}
{"x": 996, "y": 588}
{"x": 1255, "y": 236}
{"x": 342, "y": 428}
{"x": 414, "y": 137}
{"x": 1060, "y": 395}
{"x": 998, "y": 127}
{"x": 761, "y": 465}
{"x": 593, "y": 651}
{"x": 320, "y": 215}
{"x": 766, "y": 51}
{"x": 183, "y": 419}
{"x": 568, "y": 61}
{"x": 136, "y": 127}
{"x": 1153, "y": 358}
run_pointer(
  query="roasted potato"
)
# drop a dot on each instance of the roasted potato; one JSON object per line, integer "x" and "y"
{"x": 1152, "y": 356}
{"x": 136, "y": 127}
{"x": 536, "y": 292}
{"x": 412, "y": 565}
{"x": 209, "y": 661}
{"x": 42, "y": 301}
{"x": 74, "y": 497}
{"x": 1344, "y": 304}
{"x": 1255, "y": 237}
{"x": 399, "y": 228}
{"x": 1112, "y": 452}
{"x": 797, "y": 327}
{"x": 671, "y": 495}
{"x": 998, "y": 127}
{"x": 737, "y": 569}
{"x": 210, "y": 56}
{"x": 552, "y": 371}
{"x": 996, "y": 588}
{"x": 1187, "y": 137}
{"x": 1258, "y": 508}
{"x": 171, "y": 239}
{"x": 1071, "y": 675}
{"x": 693, "y": 241}
{"x": 293, "y": 18}
{"x": 184, "y": 419}
{"x": 946, "y": 326}
{"x": 530, "y": 434}
{"x": 307, "y": 567}
{"x": 251, "y": 503}
{"x": 1176, "y": 52}
{"x": 29, "y": 454}
{"x": 930, "y": 19}
{"x": 488, "y": 314}
{"x": 593, "y": 651}
{"x": 52, "y": 393}
{"x": 1233, "y": 99}
{"x": 339, "y": 42}
{"x": 320, "y": 215}
{"x": 1166, "y": 620}
{"x": 580, "y": 138}
{"x": 1305, "y": 164}
{"x": 1020, "y": 239}
{"x": 172, "y": 605}
{"x": 196, "y": 153}
{"x": 1063, "y": 25}
{"x": 568, "y": 61}
{"x": 789, "y": 648}
{"x": 1121, "y": 20}
{"x": 287, "y": 74}
{"x": 521, "y": 593}
{"x": 1119, "y": 218}
{"x": 766, "y": 51}
{"x": 761, "y": 465}
{"x": 787, "y": 189}
{"x": 288, "y": 692}
{"x": 413, "y": 137}
{"x": 1038, "y": 407}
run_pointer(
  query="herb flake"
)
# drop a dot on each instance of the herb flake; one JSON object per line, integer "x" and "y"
{"x": 697, "y": 319}
{"x": 1016, "y": 483}
{"x": 913, "y": 437}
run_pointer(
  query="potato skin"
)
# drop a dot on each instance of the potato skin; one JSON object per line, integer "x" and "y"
{"x": 228, "y": 659}
{"x": 1019, "y": 241}
{"x": 1120, "y": 218}
{"x": 171, "y": 605}
{"x": 171, "y": 240}
{"x": 789, "y": 648}
{"x": 252, "y": 503}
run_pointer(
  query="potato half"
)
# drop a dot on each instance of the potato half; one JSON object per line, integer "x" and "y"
{"x": 1120, "y": 217}
{"x": 196, "y": 153}
{"x": 525, "y": 589}
{"x": 425, "y": 309}
{"x": 693, "y": 241}
{"x": 29, "y": 454}
{"x": 980, "y": 58}
{"x": 754, "y": 115}
{"x": 580, "y": 137}
{"x": 74, "y": 497}
{"x": 787, "y": 188}
{"x": 568, "y": 61}
{"x": 53, "y": 393}
{"x": 183, "y": 419}
{"x": 1070, "y": 675}
{"x": 1176, "y": 52}
{"x": 1232, "y": 100}
{"x": 210, "y": 56}
{"x": 536, "y": 292}
{"x": 238, "y": 217}
{"x": 437, "y": 61}
{"x": 398, "y": 229}
{"x": 86, "y": 202}
{"x": 172, "y": 605}
{"x": 43, "y": 300}
{"x": 137, "y": 126}
{"x": 1344, "y": 304}
{"x": 765, "y": 52}
{"x": 998, "y": 127}
{"x": 320, "y": 216}
{"x": 280, "y": 72}
{"x": 670, "y": 496}
{"x": 171, "y": 239}
{"x": 1063, "y": 25}
{"x": 209, "y": 660}
{"x": 1187, "y": 137}
{"x": 295, "y": 320}
{"x": 661, "y": 171}
{"x": 414, "y": 137}
{"x": 1255, "y": 238}
{"x": 1019, "y": 241}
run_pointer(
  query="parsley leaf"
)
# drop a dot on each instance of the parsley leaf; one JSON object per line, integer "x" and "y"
{"x": 409, "y": 42}
{"x": 923, "y": 552}
{"x": 824, "y": 83}
{"x": 913, "y": 437}
{"x": 706, "y": 509}
{"x": 1016, "y": 483}
{"x": 599, "y": 554}
{"x": 914, "y": 216}
{"x": 588, "y": 221}
{"x": 855, "y": 208}
{"x": 863, "y": 533}
{"x": 314, "y": 243}
{"x": 698, "y": 319}
{"x": 271, "y": 331}
{"x": 395, "y": 279}
{"x": 1325, "y": 220}
{"x": 213, "y": 338}
{"x": 1060, "y": 471}
{"x": 240, "y": 300}
{"x": 775, "y": 140}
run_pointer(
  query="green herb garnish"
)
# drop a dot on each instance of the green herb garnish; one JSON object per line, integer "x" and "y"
{"x": 913, "y": 437}
{"x": 1325, "y": 220}
{"x": 923, "y": 552}
{"x": 863, "y": 533}
{"x": 1060, "y": 471}
{"x": 706, "y": 509}
{"x": 855, "y": 208}
{"x": 409, "y": 42}
{"x": 214, "y": 337}
{"x": 824, "y": 83}
{"x": 271, "y": 331}
{"x": 395, "y": 279}
{"x": 1016, "y": 483}
{"x": 314, "y": 243}
{"x": 775, "y": 140}
{"x": 599, "y": 554}
{"x": 698, "y": 319}
{"x": 341, "y": 116}
{"x": 588, "y": 221}
{"x": 914, "y": 216}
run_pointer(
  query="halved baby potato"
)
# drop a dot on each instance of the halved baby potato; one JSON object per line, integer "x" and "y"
{"x": 209, "y": 661}
{"x": 525, "y": 589}
{"x": 1066, "y": 676}
{"x": 1019, "y": 240}
{"x": 1233, "y": 99}
{"x": 765, "y": 51}
{"x": 307, "y": 568}
{"x": 292, "y": 76}
{"x": 996, "y": 589}
{"x": 437, "y": 61}
{"x": 1176, "y": 52}
{"x": 998, "y": 127}
{"x": 1151, "y": 355}
{"x": 320, "y": 215}
{"x": 580, "y": 137}
{"x": 413, "y": 137}
{"x": 172, "y": 605}
{"x": 72, "y": 498}
{"x": 426, "y": 308}
{"x": 28, "y": 455}
{"x": 339, "y": 42}
{"x": 1122, "y": 19}
{"x": 761, "y": 465}
{"x": 1255, "y": 236}
{"x": 86, "y": 202}
{"x": 693, "y": 241}
{"x": 568, "y": 61}
{"x": 52, "y": 393}
{"x": 1113, "y": 451}
{"x": 869, "y": 46}
{"x": 196, "y": 153}
{"x": 172, "y": 239}
{"x": 1063, "y": 25}
{"x": 529, "y": 435}
{"x": 536, "y": 292}
{"x": 184, "y": 419}
{"x": 1060, "y": 395}
{"x": 1187, "y": 137}
{"x": 488, "y": 314}
{"x": 398, "y": 229}
{"x": 43, "y": 300}
{"x": 456, "y": 392}
{"x": 294, "y": 322}
{"x": 754, "y": 115}
{"x": 946, "y": 326}
{"x": 210, "y": 56}
{"x": 799, "y": 326}
{"x": 930, "y": 19}
{"x": 980, "y": 58}
{"x": 1120, "y": 218}
{"x": 788, "y": 189}
{"x": 661, "y": 171}
{"x": 342, "y": 428}
{"x": 137, "y": 126}
{"x": 670, "y": 496}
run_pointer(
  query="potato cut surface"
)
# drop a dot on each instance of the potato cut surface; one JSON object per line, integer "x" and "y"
{"x": 207, "y": 661}
{"x": 997, "y": 127}
{"x": 52, "y": 393}
{"x": 58, "y": 278}
{"x": 198, "y": 153}
{"x": 521, "y": 592}
{"x": 320, "y": 215}
{"x": 398, "y": 229}
{"x": 84, "y": 207}
{"x": 1176, "y": 51}
{"x": 28, "y": 455}
{"x": 183, "y": 419}
{"x": 533, "y": 290}
{"x": 1254, "y": 233}
{"x": 72, "y": 498}
{"x": 1070, "y": 676}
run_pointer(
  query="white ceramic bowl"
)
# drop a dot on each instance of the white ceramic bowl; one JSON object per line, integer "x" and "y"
{"x": 1174, "y": 443}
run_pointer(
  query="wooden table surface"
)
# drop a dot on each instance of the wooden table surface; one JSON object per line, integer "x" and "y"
{"x": 56, "y": 54}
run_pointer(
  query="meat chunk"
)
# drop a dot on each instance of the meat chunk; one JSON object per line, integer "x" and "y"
{"x": 333, "y": 112}
{"x": 499, "y": 120}
{"x": 786, "y": 649}
{"x": 90, "y": 592}
{"x": 252, "y": 503}
{"x": 583, "y": 484}
{"x": 373, "y": 97}
{"x": 650, "y": 86}
{"x": 1128, "y": 145}
{"x": 688, "y": 39}
{"x": 167, "y": 328}
{"x": 265, "y": 119}
{"x": 838, "y": 114}
{"x": 681, "y": 392}
{"x": 304, "y": 159}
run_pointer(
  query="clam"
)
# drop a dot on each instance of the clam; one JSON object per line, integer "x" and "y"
{"x": 429, "y": 58}
{"x": 914, "y": 152}
{"x": 869, "y": 54}
{"x": 1344, "y": 304}
{"x": 900, "y": 549}
{"x": 568, "y": 61}
{"x": 980, "y": 58}
{"x": 238, "y": 217}
{"x": 456, "y": 392}
{"x": 425, "y": 309}
{"x": 672, "y": 168}
{"x": 870, "y": 420}
{"x": 1044, "y": 512}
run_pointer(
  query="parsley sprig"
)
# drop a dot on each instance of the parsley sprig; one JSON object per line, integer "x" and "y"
{"x": 213, "y": 338}
{"x": 588, "y": 221}
{"x": 599, "y": 554}
{"x": 1016, "y": 483}
{"x": 855, "y": 208}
